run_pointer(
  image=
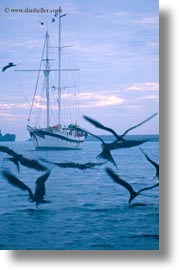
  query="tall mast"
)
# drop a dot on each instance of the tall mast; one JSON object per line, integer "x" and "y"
{"x": 59, "y": 68}
{"x": 46, "y": 72}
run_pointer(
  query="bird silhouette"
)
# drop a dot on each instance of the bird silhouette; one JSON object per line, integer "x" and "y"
{"x": 42, "y": 23}
{"x": 133, "y": 193}
{"x": 82, "y": 167}
{"x": 119, "y": 142}
{"x": 53, "y": 20}
{"x": 20, "y": 159}
{"x": 38, "y": 195}
{"x": 156, "y": 165}
{"x": 8, "y": 66}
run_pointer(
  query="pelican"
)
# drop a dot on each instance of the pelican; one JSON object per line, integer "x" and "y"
{"x": 79, "y": 166}
{"x": 16, "y": 159}
{"x": 156, "y": 165}
{"x": 8, "y": 66}
{"x": 38, "y": 195}
{"x": 126, "y": 185}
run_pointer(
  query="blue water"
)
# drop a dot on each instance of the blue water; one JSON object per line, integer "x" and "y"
{"x": 88, "y": 211}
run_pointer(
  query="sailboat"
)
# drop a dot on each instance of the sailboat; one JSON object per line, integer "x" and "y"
{"x": 55, "y": 136}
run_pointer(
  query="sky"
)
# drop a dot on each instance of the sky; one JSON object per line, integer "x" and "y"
{"x": 116, "y": 47}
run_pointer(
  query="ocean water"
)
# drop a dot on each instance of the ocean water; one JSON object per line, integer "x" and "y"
{"x": 88, "y": 211}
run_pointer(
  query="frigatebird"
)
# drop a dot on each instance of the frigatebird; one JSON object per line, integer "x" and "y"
{"x": 38, "y": 195}
{"x": 126, "y": 185}
{"x": 156, "y": 165}
{"x": 20, "y": 159}
{"x": 8, "y": 66}
{"x": 118, "y": 137}
{"x": 79, "y": 166}
{"x": 120, "y": 142}
{"x": 42, "y": 23}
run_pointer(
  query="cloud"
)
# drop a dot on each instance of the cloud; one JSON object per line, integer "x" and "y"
{"x": 148, "y": 86}
{"x": 153, "y": 20}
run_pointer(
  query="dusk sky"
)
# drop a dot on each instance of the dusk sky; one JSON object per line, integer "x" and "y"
{"x": 116, "y": 46}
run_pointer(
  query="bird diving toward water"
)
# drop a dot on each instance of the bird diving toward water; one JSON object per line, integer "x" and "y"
{"x": 20, "y": 159}
{"x": 156, "y": 165}
{"x": 38, "y": 195}
{"x": 133, "y": 193}
{"x": 8, "y": 66}
{"x": 79, "y": 166}
{"x": 119, "y": 142}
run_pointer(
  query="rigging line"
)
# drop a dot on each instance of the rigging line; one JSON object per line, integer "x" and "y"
{"x": 36, "y": 83}
{"x": 22, "y": 89}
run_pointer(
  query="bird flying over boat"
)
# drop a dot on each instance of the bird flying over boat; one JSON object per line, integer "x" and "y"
{"x": 156, "y": 165}
{"x": 79, "y": 166}
{"x": 38, "y": 195}
{"x": 20, "y": 159}
{"x": 133, "y": 193}
{"x": 8, "y": 66}
{"x": 120, "y": 142}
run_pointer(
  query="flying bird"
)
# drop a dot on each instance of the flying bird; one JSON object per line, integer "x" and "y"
{"x": 156, "y": 165}
{"x": 53, "y": 20}
{"x": 38, "y": 195}
{"x": 119, "y": 142}
{"x": 118, "y": 137}
{"x": 133, "y": 193}
{"x": 20, "y": 159}
{"x": 42, "y": 23}
{"x": 8, "y": 66}
{"x": 79, "y": 166}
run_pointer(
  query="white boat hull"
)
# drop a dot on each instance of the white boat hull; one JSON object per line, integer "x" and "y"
{"x": 45, "y": 140}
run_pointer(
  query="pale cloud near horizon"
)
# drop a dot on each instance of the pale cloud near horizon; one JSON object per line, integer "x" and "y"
{"x": 148, "y": 86}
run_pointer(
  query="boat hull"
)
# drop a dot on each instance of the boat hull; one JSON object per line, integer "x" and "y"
{"x": 55, "y": 140}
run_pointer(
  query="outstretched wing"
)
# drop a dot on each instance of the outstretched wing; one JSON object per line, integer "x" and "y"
{"x": 147, "y": 188}
{"x": 138, "y": 125}
{"x": 13, "y": 180}
{"x": 8, "y": 151}
{"x": 32, "y": 163}
{"x": 40, "y": 187}
{"x": 152, "y": 162}
{"x": 119, "y": 181}
{"x": 99, "y": 125}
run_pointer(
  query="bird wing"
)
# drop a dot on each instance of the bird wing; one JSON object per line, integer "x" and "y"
{"x": 151, "y": 161}
{"x": 32, "y": 163}
{"x": 13, "y": 180}
{"x": 40, "y": 186}
{"x": 118, "y": 180}
{"x": 143, "y": 122}
{"x": 147, "y": 188}
{"x": 9, "y": 151}
{"x": 99, "y": 125}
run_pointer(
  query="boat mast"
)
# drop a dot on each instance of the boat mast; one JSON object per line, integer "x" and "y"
{"x": 46, "y": 73}
{"x": 59, "y": 68}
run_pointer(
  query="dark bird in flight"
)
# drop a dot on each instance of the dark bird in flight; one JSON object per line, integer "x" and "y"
{"x": 79, "y": 166}
{"x": 156, "y": 165}
{"x": 56, "y": 13}
{"x": 53, "y": 20}
{"x": 20, "y": 159}
{"x": 126, "y": 185}
{"x": 38, "y": 195}
{"x": 8, "y": 66}
{"x": 119, "y": 142}
{"x": 42, "y": 23}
